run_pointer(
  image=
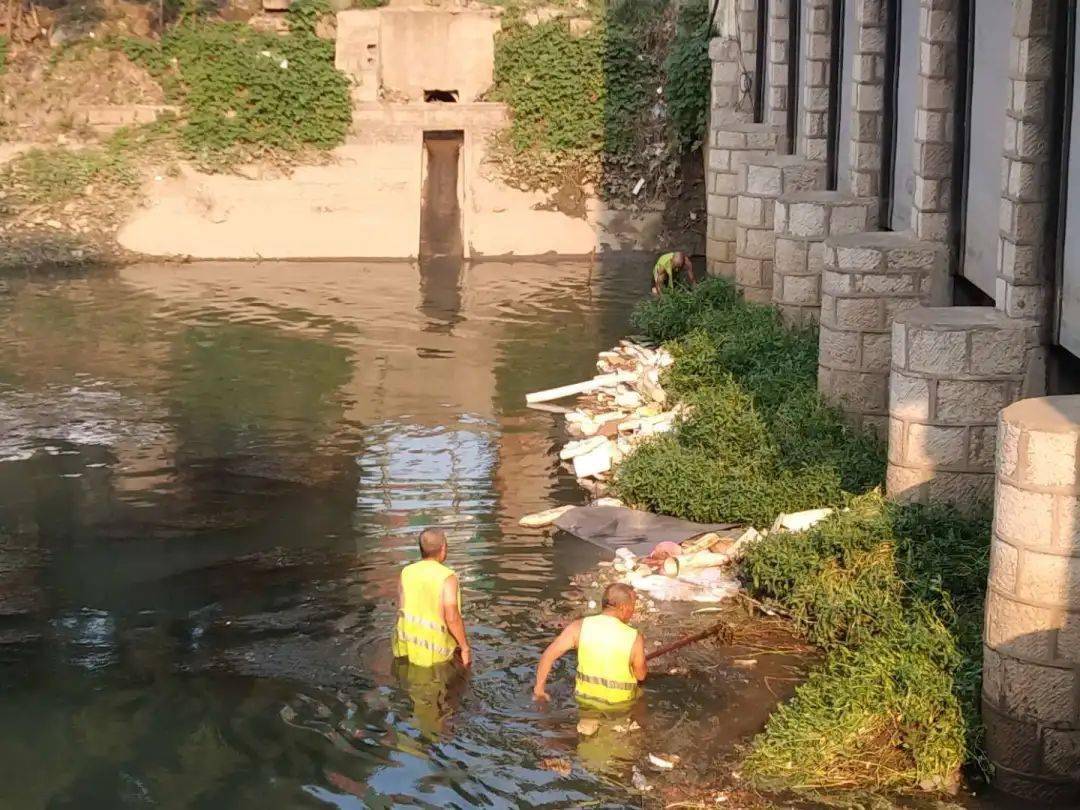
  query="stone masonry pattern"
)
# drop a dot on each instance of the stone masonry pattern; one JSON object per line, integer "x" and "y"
{"x": 868, "y": 98}
{"x": 935, "y": 120}
{"x": 1031, "y": 664}
{"x": 1025, "y": 257}
{"x": 733, "y": 145}
{"x": 814, "y": 109}
{"x": 766, "y": 180}
{"x": 868, "y": 279}
{"x": 803, "y": 221}
{"x": 953, "y": 370}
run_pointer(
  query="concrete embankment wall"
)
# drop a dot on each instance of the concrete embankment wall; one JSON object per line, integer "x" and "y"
{"x": 365, "y": 202}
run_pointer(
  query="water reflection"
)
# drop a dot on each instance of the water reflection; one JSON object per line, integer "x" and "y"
{"x": 211, "y": 475}
{"x": 440, "y": 292}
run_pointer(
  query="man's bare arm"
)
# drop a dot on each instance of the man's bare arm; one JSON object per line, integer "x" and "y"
{"x": 563, "y": 643}
{"x": 452, "y": 618}
{"x": 690, "y": 271}
{"x": 638, "y": 665}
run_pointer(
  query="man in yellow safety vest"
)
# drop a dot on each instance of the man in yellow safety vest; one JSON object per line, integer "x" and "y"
{"x": 429, "y": 627}
{"x": 611, "y": 654}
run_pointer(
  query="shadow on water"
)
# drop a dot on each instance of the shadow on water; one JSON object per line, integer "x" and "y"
{"x": 211, "y": 476}
{"x": 440, "y": 291}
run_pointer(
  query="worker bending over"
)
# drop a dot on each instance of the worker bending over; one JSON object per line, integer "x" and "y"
{"x": 429, "y": 627}
{"x": 611, "y": 654}
{"x": 667, "y": 268}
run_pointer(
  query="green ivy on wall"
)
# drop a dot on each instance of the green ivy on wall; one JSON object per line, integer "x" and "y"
{"x": 243, "y": 89}
{"x": 688, "y": 70}
{"x": 554, "y": 84}
{"x": 607, "y": 99}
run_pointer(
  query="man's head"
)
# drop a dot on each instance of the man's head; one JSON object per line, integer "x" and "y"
{"x": 433, "y": 545}
{"x": 679, "y": 257}
{"x": 619, "y": 600}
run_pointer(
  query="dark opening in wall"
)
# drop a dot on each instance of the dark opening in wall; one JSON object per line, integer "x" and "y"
{"x": 440, "y": 206}
{"x": 443, "y": 96}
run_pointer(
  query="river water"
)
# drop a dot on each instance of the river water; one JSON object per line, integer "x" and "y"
{"x": 209, "y": 478}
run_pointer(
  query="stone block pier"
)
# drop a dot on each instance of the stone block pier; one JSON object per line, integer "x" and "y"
{"x": 1031, "y": 665}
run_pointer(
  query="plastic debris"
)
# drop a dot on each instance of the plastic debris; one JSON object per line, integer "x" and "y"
{"x": 587, "y": 726}
{"x": 557, "y": 765}
{"x": 637, "y": 779}
{"x": 800, "y": 521}
{"x": 545, "y": 518}
{"x": 663, "y": 763}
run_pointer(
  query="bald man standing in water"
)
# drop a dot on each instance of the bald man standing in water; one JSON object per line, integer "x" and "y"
{"x": 430, "y": 627}
{"x": 611, "y": 653}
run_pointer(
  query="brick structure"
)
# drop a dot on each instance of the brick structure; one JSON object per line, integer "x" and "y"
{"x": 803, "y": 221}
{"x": 868, "y": 98}
{"x": 868, "y": 279}
{"x": 766, "y": 180}
{"x": 776, "y": 63}
{"x": 935, "y": 120}
{"x": 816, "y": 69}
{"x": 732, "y": 146}
{"x": 953, "y": 369}
{"x": 1031, "y": 664}
{"x": 1025, "y": 257}
{"x": 731, "y": 106}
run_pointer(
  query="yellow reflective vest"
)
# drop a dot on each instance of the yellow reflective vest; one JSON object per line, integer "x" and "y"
{"x": 603, "y": 672}
{"x": 421, "y": 634}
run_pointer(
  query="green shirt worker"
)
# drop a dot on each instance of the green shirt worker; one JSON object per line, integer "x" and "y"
{"x": 667, "y": 268}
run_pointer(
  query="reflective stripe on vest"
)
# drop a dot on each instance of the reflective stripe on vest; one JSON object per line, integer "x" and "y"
{"x": 421, "y": 634}
{"x": 604, "y": 648}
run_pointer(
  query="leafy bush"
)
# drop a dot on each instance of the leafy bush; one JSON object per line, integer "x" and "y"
{"x": 554, "y": 84}
{"x": 759, "y": 440}
{"x": 56, "y": 174}
{"x": 585, "y": 104}
{"x": 893, "y": 594}
{"x": 243, "y": 89}
{"x": 689, "y": 70}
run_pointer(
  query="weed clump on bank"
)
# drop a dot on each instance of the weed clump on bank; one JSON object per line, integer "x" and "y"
{"x": 244, "y": 90}
{"x": 758, "y": 441}
{"x": 893, "y": 594}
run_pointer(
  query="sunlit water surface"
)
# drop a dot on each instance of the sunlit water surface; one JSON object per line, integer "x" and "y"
{"x": 210, "y": 476}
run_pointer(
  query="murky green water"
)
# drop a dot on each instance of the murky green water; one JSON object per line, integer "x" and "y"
{"x": 209, "y": 478}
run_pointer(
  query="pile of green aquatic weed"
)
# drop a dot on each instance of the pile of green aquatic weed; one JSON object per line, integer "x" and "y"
{"x": 758, "y": 440}
{"x": 245, "y": 91}
{"x": 893, "y": 594}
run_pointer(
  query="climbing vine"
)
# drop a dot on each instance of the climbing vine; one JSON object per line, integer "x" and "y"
{"x": 687, "y": 69}
{"x": 553, "y": 82}
{"x": 243, "y": 89}
{"x": 611, "y": 99}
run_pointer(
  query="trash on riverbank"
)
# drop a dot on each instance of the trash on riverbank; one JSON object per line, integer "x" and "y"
{"x": 615, "y": 527}
{"x": 663, "y": 763}
{"x": 538, "y": 520}
{"x": 617, "y": 409}
{"x": 588, "y": 726}
{"x": 559, "y": 765}
{"x": 667, "y": 559}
